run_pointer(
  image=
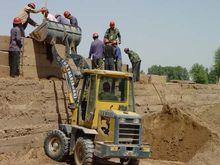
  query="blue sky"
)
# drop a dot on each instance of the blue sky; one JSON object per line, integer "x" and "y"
{"x": 165, "y": 32}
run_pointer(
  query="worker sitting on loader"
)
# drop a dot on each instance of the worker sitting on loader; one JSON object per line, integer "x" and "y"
{"x": 118, "y": 56}
{"x": 24, "y": 15}
{"x": 47, "y": 15}
{"x": 15, "y": 47}
{"x": 96, "y": 53}
{"x": 109, "y": 55}
{"x": 72, "y": 19}
{"x": 113, "y": 33}
{"x": 61, "y": 19}
{"x": 106, "y": 94}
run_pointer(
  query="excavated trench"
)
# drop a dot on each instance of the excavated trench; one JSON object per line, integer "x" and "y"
{"x": 174, "y": 135}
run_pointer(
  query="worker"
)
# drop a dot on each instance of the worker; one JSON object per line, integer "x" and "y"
{"x": 62, "y": 19}
{"x": 136, "y": 63}
{"x": 15, "y": 47}
{"x": 96, "y": 52}
{"x": 118, "y": 56}
{"x": 72, "y": 19}
{"x": 113, "y": 33}
{"x": 109, "y": 55}
{"x": 107, "y": 94}
{"x": 24, "y": 15}
{"x": 47, "y": 15}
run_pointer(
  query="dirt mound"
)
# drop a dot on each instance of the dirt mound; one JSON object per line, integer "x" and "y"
{"x": 174, "y": 135}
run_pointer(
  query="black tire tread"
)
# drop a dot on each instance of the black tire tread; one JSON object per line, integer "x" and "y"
{"x": 65, "y": 145}
{"x": 88, "y": 150}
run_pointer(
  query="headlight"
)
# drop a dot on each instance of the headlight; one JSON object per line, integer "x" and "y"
{"x": 137, "y": 121}
{"x": 122, "y": 120}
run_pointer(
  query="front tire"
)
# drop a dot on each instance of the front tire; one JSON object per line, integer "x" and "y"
{"x": 83, "y": 152}
{"x": 56, "y": 145}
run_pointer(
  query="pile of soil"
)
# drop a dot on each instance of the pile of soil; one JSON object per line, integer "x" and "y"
{"x": 174, "y": 135}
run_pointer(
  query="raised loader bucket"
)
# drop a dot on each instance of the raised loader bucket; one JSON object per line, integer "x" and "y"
{"x": 53, "y": 32}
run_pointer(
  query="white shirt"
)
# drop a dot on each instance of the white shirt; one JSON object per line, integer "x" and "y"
{"x": 51, "y": 17}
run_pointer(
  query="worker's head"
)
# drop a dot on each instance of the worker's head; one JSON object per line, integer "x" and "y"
{"x": 95, "y": 36}
{"x": 44, "y": 11}
{"x": 66, "y": 14}
{"x": 106, "y": 41}
{"x": 17, "y": 21}
{"x": 112, "y": 24}
{"x": 106, "y": 87}
{"x": 114, "y": 42}
{"x": 57, "y": 15}
{"x": 32, "y": 5}
{"x": 126, "y": 50}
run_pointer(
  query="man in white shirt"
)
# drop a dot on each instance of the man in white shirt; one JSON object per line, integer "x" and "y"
{"x": 47, "y": 15}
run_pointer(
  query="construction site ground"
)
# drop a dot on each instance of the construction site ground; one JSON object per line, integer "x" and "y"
{"x": 180, "y": 121}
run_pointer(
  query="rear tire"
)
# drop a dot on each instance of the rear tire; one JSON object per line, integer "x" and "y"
{"x": 83, "y": 152}
{"x": 56, "y": 145}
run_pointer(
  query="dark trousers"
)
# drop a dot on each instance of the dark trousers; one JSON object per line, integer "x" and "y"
{"x": 109, "y": 64}
{"x": 136, "y": 66}
{"x": 14, "y": 62}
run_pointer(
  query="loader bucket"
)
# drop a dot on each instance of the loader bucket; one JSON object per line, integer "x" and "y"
{"x": 56, "y": 33}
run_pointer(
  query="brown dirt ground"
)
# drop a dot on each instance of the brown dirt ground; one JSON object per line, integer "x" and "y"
{"x": 184, "y": 133}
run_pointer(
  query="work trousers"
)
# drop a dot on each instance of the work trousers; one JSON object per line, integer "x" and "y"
{"x": 136, "y": 70}
{"x": 118, "y": 65}
{"x": 109, "y": 64}
{"x": 98, "y": 64}
{"x": 14, "y": 62}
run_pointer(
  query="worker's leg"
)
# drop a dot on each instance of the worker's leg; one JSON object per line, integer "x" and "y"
{"x": 106, "y": 64}
{"x": 17, "y": 63}
{"x": 119, "y": 65}
{"x": 93, "y": 63}
{"x": 100, "y": 64}
{"x": 13, "y": 63}
{"x": 111, "y": 64}
{"x": 138, "y": 70}
{"x": 134, "y": 70}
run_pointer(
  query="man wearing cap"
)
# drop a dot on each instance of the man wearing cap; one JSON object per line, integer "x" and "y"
{"x": 15, "y": 47}
{"x": 61, "y": 19}
{"x": 96, "y": 52}
{"x": 24, "y": 15}
{"x": 47, "y": 15}
{"x": 72, "y": 19}
{"x": 113, "y": 33}
{"x": 118, "y": 56}
{"x": 109, "y": 55}
{"x": 136, "y": 63}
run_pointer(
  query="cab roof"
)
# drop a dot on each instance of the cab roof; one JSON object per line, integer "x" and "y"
{"x": 106, "y": 72}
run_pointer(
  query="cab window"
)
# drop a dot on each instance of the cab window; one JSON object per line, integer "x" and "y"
{"x": 113, "y": 89}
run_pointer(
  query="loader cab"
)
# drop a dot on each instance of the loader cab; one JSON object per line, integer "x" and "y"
{"x": 104, "y": 90}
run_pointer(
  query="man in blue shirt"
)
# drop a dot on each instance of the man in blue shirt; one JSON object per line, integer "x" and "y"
{"x": 72, "y": 19}
{"x": 96, "y": 52}
{"x": 118, "y": 56}
{"x": 15, "y": 47}
{"x": 62, "y": 19}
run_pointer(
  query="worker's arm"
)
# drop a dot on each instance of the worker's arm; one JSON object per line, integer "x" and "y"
{"x": 91, "y": 51}
{"x": 106, "y": 34}
{"x": 32, "y": 22}
{"x": 119, "y": 37}
{"x": 30, "y": 10}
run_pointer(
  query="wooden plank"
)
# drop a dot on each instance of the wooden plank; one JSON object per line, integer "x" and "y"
{"x": 41, "y": 72}
{"x": 4, "y": 43}
{"x": 4, "y": 71}
{"x": 4, "y": 58}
